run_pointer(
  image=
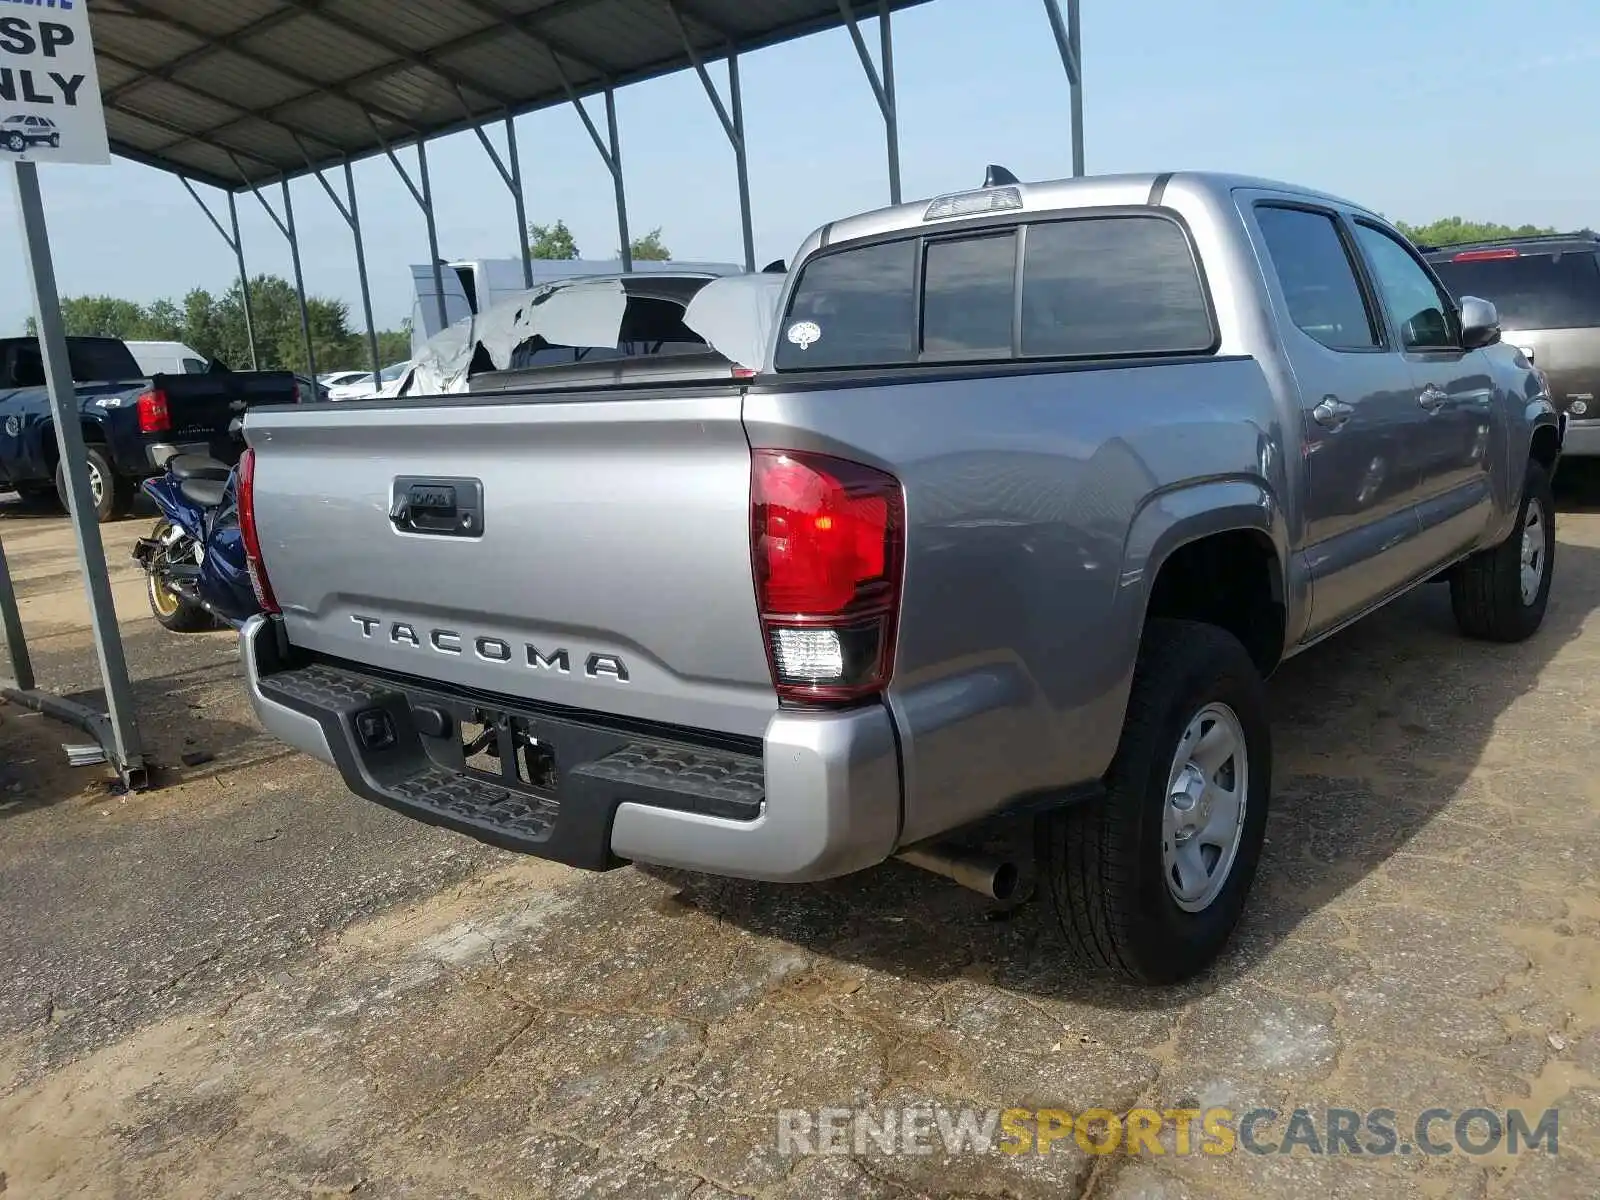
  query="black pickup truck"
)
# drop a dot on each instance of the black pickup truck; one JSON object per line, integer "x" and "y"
{"x": 131, "y": 423}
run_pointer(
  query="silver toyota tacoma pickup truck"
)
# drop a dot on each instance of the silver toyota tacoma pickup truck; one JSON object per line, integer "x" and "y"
{"x": 1037, "y": 486}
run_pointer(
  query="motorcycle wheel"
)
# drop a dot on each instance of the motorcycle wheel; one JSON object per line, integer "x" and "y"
{"x": 170, "y": 609}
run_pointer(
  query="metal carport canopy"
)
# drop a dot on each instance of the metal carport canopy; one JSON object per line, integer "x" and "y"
{"x": 234, "y": 92}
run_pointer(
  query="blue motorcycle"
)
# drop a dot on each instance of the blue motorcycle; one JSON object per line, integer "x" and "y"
{"x": 193, "y": 558}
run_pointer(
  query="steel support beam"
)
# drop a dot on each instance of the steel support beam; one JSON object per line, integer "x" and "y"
{"x": 285, "y": 226}
{"x": 610, "y": 148}
{"x": 118, "y": 731}
{"x": 732, "y": 124}
{"x": 510, "y": 174}
{"x": 236, "y": 244}
{"x": 1069, "y": 43}
{"x": 352, "y": 217}
{"x": 424, "y": 197}
{"x": 16, "y": 639}
{"x": 882, "y": 83}
{"x": 614, "y": 160}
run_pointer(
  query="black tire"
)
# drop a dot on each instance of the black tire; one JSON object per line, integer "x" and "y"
{"x": 55, "y": 141}
{"x": 1102, "y": 862}
{"x": 16, "y": 143}
{"x": 116, "y": 493}
{"x": 171, "y": 610}
{"x": 1486, "y": 591}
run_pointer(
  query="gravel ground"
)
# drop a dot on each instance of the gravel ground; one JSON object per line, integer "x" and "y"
{"x": 248, "y": 983}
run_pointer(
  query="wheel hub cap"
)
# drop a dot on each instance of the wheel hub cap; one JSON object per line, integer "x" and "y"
{"x": 1203, "y": 818}
{"x": 1533, "y": 556}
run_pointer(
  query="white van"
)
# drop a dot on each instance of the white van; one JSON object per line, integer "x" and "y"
{"x": 167, "y": 358}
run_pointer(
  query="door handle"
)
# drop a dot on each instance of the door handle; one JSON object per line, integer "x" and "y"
{"x": 1433, "y": 397}
{"x": 1331, "y": 412}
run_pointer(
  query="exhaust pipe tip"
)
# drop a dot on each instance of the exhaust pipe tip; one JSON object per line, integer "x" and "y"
{"x": 998, "y": 879}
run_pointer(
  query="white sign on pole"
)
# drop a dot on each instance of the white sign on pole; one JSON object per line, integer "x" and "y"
{"x": 49, "y": 92}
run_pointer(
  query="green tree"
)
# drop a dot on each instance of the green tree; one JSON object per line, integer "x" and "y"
{"x": 1448, "y": 231}
{"x": 552, "y": 241}
{"x": 650, "y": 248}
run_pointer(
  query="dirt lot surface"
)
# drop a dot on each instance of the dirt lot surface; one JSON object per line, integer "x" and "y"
{"x": 248, "y": 983}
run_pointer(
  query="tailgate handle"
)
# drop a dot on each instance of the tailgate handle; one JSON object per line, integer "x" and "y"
{"x": 437, "y": 507}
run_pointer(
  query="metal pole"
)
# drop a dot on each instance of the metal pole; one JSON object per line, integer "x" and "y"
{"x": 1070, "y": 47}
{"x": 16, "y": 640}
{"x": 1074, "y": 34}
{"x": 741, "y": 162}
{"x": 299, "y": 280}
{"x": 244, "y": 283}
{"x": 433, "y": 233}
{"x": 128, "y": 752}
{"x": 516, "y": 198}
{"x": 891, "y": 115}
{"x": 616, "y": 179}
{"x": 361, "y": 268}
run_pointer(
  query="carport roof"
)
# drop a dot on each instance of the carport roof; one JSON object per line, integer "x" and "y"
{"x": 237, "y": 91}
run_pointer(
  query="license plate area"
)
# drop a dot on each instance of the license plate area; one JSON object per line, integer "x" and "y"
{"x": 507, "y": 749}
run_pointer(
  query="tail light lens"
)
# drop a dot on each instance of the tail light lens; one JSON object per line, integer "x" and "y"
{"x": 259, "y": 583}
{"x": 154, "y": 415}
{"x": 828, "y": 543}
{"x": 1486, "y": 255}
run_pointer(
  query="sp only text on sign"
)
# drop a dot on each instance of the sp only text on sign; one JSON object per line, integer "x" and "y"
{"x": 50, "y": 107}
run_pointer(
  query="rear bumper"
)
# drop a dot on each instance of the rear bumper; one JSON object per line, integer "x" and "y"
{"x": 818, "y": 797}
{"x": 1582, "y": 439}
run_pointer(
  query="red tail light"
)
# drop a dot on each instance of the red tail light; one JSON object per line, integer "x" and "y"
{"x": 828, "y": 542}
{"x": 259, "y": 582}
{"x": 1481, "y": 255}
{"x": 154, "y": 415}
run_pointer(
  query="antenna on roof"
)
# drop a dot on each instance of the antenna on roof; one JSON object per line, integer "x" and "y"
{"x": 998, "y": 176}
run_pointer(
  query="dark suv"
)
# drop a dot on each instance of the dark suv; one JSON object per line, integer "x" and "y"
{"x": 1548, "y": 292}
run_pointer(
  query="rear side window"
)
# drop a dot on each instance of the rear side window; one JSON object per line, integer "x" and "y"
{"x": 1317, "y": 277}
{"x": 1091, "y": 287}
{"x": 1532, "y": 291}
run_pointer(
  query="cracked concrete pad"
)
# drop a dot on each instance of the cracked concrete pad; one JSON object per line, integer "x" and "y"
{"x": 1243, "y": 1028}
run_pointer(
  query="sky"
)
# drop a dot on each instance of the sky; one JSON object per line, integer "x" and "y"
{"x": 1421, "y": 109}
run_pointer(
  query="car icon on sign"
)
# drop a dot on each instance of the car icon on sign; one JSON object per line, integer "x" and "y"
{"x": 18, "y": 133}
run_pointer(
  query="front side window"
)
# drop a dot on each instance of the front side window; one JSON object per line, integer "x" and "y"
{"x": 1424, "y": 314}
{"x": 1320, "y": 289}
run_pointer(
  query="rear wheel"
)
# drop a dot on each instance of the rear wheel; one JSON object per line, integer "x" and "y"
{"x": 1500, "y": 594}
{"x": 16, "y": 142}
{"x": 112, "y": 496}
{"x": 1150, "y": 879}
{"x": 166, "y": 605}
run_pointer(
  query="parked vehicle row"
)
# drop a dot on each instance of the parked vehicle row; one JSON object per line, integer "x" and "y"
{"x": 1036, "y": 485}
{"x": 131, "y": 422}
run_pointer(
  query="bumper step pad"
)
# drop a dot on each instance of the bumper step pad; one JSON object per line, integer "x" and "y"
{"x": 598, "y": 767}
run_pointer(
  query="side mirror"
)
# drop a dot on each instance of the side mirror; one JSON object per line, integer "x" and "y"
{"x": 1480, "y": 323}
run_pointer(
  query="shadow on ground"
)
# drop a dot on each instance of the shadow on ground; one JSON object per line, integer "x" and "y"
{"x": 1376, "y": 732}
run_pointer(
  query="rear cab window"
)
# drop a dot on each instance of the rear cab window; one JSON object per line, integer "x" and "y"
{"x": 1089, "y": 286}
{"x": 1316, "y": 272}
{"x": 1531, "y": 290}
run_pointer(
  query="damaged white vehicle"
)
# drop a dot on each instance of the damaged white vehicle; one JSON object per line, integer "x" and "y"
{"x": 632, "y": 329}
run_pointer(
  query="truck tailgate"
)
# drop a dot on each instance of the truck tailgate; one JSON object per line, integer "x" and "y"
{"x": 607, "y": 568}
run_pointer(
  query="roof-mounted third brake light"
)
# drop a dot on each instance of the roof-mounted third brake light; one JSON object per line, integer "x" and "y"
{"x": 1001, "y": 191}
{"x": 1481, "y": 255}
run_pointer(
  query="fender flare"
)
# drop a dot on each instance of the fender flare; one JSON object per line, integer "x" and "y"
{"x": 1176, "y": 517}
